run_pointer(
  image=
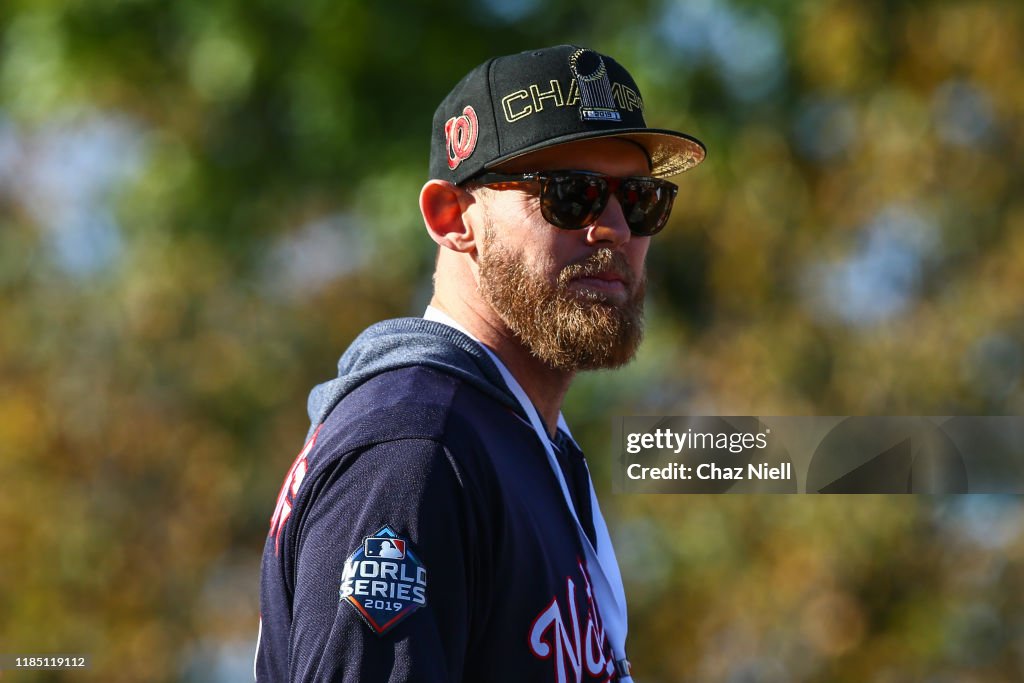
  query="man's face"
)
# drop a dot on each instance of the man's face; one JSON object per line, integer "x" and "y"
{"x": 574, "y": 298}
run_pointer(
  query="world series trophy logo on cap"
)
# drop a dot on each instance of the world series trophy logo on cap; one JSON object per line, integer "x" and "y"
{"x": 596, "y": 101}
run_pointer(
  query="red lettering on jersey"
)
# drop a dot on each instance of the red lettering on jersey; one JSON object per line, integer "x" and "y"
{"x": 573, "y": 651}
{"x": 290, "y": 489}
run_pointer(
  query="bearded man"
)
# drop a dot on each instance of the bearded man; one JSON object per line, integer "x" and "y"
{"x": 440, "y": 523}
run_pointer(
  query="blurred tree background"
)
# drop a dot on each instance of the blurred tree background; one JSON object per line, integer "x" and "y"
{"x": 203, "y": 201}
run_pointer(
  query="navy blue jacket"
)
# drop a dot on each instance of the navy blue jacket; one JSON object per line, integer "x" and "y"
{"x": 421, "y": 535}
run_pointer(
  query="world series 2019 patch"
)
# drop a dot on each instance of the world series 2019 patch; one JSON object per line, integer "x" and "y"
{"x": 384, "y": 580}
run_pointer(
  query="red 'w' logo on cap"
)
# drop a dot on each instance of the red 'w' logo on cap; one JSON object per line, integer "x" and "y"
{"x": 460, "y": 136}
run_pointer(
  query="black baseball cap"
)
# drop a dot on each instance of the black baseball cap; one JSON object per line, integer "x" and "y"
{"x": 511, "y": 106}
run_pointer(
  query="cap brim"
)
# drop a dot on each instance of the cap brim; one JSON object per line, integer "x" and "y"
{"x": 670, "y": 153}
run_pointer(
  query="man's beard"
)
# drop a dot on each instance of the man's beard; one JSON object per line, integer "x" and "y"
{"x": 566, "y": 329}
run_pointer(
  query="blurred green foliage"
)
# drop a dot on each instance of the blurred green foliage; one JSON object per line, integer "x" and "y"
{"x": 202, "y": 203}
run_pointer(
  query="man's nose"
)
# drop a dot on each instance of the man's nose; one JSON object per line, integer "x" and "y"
{"x": 610, "y": 229}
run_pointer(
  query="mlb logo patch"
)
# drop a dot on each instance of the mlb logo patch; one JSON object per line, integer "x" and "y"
{"x": 384, "y": 581}
{"x": 385, "y": 547}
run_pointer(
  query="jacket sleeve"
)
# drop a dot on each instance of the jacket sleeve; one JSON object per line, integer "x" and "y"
{"x": 381, "y": 631}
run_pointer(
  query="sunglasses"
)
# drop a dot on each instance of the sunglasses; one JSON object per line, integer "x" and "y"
{"x": 572, "y": 200}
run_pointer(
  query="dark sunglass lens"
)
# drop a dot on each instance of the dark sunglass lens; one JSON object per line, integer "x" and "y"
{"x": 646, "y": 204}
{"x": 573, "y": 200}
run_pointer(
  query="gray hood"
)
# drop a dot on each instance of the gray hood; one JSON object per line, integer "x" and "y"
{"x": 405, "y": 342}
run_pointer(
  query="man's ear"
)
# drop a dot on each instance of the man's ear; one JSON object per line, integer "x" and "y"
{"x": 444, "y": 206}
